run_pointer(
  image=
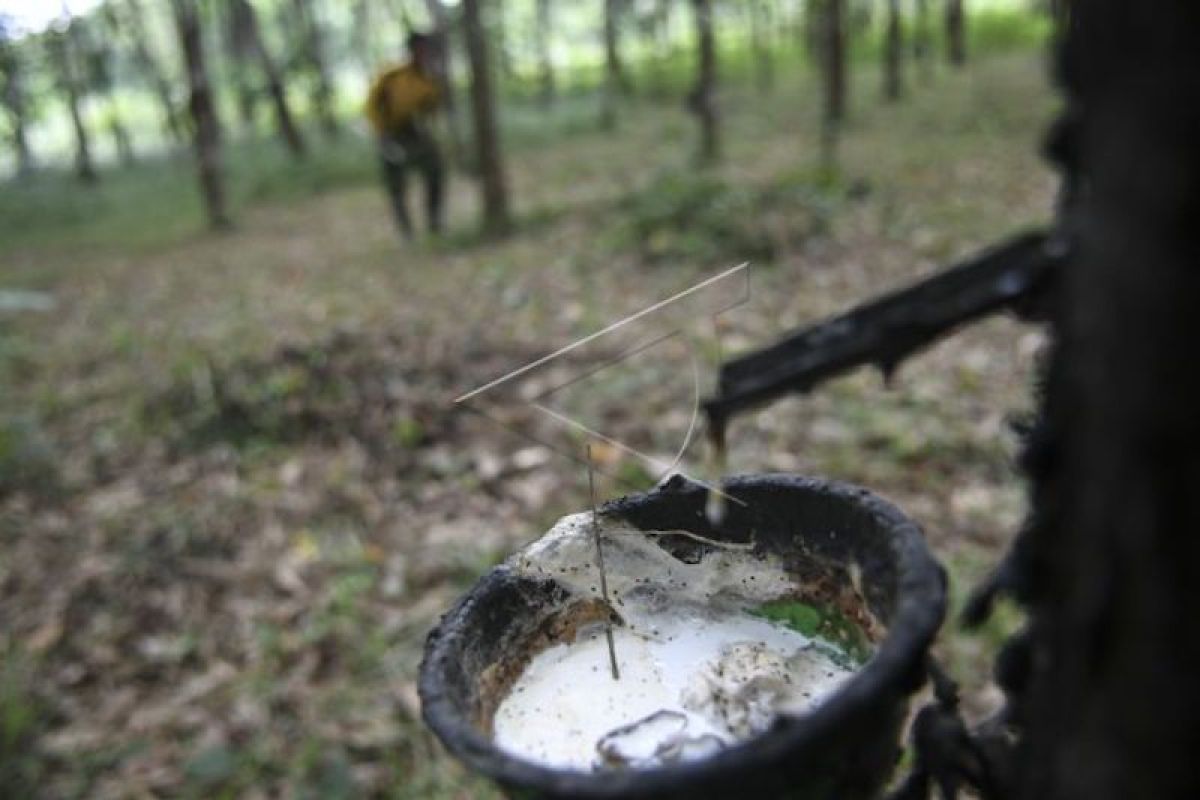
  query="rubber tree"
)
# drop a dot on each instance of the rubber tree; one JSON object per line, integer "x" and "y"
{"x": 616, "y": 79}
{"x": 543, "y": 30}
{"x": 489, "y": 157}
{"x": 15, "y": 102}
{"x": 703, "y": 99}
{"x": 245, "y": 25}
{"x": 956, "y": 34}
{"x": 151, "y": 71}
{"x": 313, "y": 50}
{"x": 363, "y": 33}
{"x": 206, "y": 139}
{"x": 922, "y": 37}
{"x": 1110, "y": 564}
{"x": 443, "y": 32}
{"x": 102, "y": 58}
{"x": 61, "y": 50}
{"x": 893, "y": 53}
{"x": 761, "y": 44}
{"x": 833, "y": 77}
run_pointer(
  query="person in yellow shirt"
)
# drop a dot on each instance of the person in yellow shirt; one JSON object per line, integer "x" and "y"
{"x": 400, "y": 105}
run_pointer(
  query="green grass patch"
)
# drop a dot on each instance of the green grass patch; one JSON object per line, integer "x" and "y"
{"x": 699, "y": 217}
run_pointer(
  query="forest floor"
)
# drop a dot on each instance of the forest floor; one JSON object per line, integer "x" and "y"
{"x": 234, "y": 495}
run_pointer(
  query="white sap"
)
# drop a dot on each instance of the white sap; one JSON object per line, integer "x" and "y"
{"x": 697, "y": 672}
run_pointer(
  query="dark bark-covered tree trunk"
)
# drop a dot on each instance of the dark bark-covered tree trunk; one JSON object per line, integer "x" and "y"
{"x": 443, "y": 33}
{"x": 1111, "y": 562}
{"x": 246, "y": 22}
{"x": 893, "y": 53}
{"x": 543, "y": 28}
{"x": 314, "y": 55}
{"x": 206, "y": 138}
{"x": 493, "y": 183}
{"x": 956, "y": 34}
{"x": 152, "y": 71}
{"x": 62, "y": 54}
{"x": 922, "y": 47}
{"x": 761, "y": 44}
{"x": 704, "y": 95}
{"x": 833, "y": 74}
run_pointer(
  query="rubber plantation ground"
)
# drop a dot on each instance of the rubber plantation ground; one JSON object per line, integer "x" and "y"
{"x": 233, "y": 494}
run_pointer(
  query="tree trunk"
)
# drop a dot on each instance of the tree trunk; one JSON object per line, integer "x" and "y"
{"x": 616, "y": 82}
{"x": 833, "y": 71}
{"x": 956, "y": 40}
{"x": 893, "y": 84}
{"x": 922, "y": 48}
{"x": 496, "y": 22}
{"x": 62, "y": 53}
{"x": 246, "y": 22}
{"x": 237, "y": 65}
{"x": 443, "y": 30}
{"x": 704, "y": 99}
{"x": 14, "y": 101}
{"x": 812, "y": 31}
{"x": 152, "y": 72}
{"x": 314, "y": 54}
{"x": 543, "y": 26}
{"x": 122, "y": 141}
{"x": 494, "y": 186}
{"x": 1113, "y": 562}
{"x": 366, "y": 43}
{"x": 764, "y": 53}
{"x": 205, "y": 130}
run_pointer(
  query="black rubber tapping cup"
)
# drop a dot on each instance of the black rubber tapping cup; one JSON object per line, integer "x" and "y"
{"x": 840, "y": 539}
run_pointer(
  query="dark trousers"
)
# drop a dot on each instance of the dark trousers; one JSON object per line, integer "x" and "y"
{"x": 407, "y": 152}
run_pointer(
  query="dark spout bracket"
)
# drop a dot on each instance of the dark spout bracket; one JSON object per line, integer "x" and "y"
{"x": 1013, "y": 276}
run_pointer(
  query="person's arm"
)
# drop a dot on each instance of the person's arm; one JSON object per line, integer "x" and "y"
{"x": 376, "y": 106}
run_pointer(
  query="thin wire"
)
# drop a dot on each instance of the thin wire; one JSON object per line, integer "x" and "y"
{"x": 608, "y": 634}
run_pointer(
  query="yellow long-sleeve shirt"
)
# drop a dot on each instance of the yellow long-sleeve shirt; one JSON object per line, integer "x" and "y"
{"x": 398, "y": 97}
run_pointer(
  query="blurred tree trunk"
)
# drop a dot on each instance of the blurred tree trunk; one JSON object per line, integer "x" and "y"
{"x": 61, "y": 51}
{"x": 245, "y": 22}
{"x": 496, "y": 219}
{"x": 238, "y": 65}
{"x": 812, "y": 29}
{"x": 833, "y": 73}
{"x": 314, "y": 53}
{"x": 704, "y": 95}
{"x": 152, "y": 72}
{"x": 443, "y": 34}
{"x": 760, "y": 39}
{"x": 496, "y": 23}
{"x": 543, "y": 28}
{"x": 13, "y": 98}
{"x": 205, "y": 129}
{"x": 658, "y": 42}
{"x": 893, "y": 83}
{"x": 614, "y": 64}
{"x": 122, "y": 141}
{"x": 922, "y": 48}
{"x": 366, "y": 43}
{"x": 956, "y": 35}
{"x": 616, "y": 80}
{"x": 1112, "y": 563}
